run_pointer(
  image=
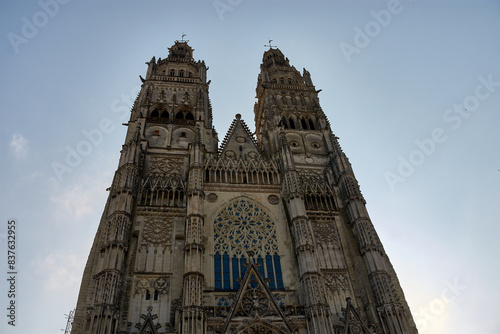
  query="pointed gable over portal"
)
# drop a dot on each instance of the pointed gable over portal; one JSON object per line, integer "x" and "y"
{"x": 239, "y": 143}
{"x": 255, "y": 309}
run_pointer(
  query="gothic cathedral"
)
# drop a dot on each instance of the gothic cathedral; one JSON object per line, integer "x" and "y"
{"x": 259, "y": 234}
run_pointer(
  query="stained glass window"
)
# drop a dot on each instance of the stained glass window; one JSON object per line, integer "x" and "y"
{"x": 239, "y": 228}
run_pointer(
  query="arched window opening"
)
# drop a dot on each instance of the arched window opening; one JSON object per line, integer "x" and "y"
{"x": 181, "y": 73}
{"x": 303, "y": 123}
{"x": 156, "y": 295}
{"x": 292, "y": 123}
{"x": 189, "y": 115}
{"x": 155, "y": 113}
{"x": 284, "y": 122}
{"x": 164, "y": 114}
{"x": 311, "y": 125}
{"x": 282, "y": 80}
{"x": 289, "y": 81}
{"x": 148, "y": 295}
{"x": 172, "y": 73}
{"x": 179, "y": 115}
{"x": 274, "y": 81}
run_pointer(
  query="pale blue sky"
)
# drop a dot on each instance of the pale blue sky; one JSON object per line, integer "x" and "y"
{"x": 440, "y": 226}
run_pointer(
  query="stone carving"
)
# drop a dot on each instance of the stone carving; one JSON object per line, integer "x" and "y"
{"x": 336, "y": 281}
{"x": 125, "y": 178}
{"x": 116, "y": 229}
{"x": 255, "y": 303}
{"x": 165, "y": 166}
{"x": 162, "y": 285}
{"x": 325, "y": 233}
{"x": 141, "y": 285}
{"x": 253, "y": 155}
{"x": 145, "y": 283}
{"x": 212, "y": 198}
{"x": 157, "y": 232}
{"x": 367, "y": 236}
{"x": 107, "y": 286}
{"x": 273, "y": 199}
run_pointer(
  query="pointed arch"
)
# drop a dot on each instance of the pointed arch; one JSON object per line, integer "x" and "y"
{"x": 311, "y": 124}
{"x": 303, "y": 123}
{"x": 189, "y": 115}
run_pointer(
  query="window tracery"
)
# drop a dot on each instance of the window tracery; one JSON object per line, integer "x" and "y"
{"x": 240, "y": 228}
{"x": 255, "y": 171}
{"x": 318, "y": 194}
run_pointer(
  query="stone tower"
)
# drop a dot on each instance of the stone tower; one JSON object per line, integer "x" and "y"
{"x": 255, "y": 235}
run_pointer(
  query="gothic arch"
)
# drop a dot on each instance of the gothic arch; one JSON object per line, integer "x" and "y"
{"x": 159, "y": 111}
{"x": 183, "y": 113}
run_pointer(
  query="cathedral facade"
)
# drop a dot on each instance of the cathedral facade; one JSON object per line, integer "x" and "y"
{"x": 264, "y": 233}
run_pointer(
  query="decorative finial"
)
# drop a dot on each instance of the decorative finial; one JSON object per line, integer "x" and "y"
{"x": 182, "y": 39}
{"x": 238, "y": 116}
{"x": 270, "y": 45}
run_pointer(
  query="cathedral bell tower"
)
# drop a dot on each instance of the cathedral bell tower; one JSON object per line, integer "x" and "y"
{"x": 255, "y": 235}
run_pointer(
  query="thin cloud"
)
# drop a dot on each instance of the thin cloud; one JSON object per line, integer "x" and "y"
{"x": 63, "y": 271}
{"x": 77, "y": 200}
{"x": 19, "y": 145}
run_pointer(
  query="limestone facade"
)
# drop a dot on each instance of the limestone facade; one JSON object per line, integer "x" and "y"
{"x": 262, "y": 233}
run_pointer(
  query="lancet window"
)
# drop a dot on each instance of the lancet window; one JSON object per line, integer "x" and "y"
{"x": 184, "y": 114}
{"x": 240, "y": 229}
{"x": 288, "y": 122}
{"x": 157, "y": 112}
{"x": 307, "y": 123}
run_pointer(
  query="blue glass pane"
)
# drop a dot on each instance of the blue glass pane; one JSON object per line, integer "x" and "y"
{"x": 243, "y": 268}
{"x": 279, "y": 277}
{"x": 261, "y": 267}
{"x": 218, "y": 272}
{"x": 225, "y": 271}
{"x": 236, "y": 273}
{"x": 270, "y": 272}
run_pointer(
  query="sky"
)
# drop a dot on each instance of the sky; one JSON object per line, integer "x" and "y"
{"x": 411, "y": 88}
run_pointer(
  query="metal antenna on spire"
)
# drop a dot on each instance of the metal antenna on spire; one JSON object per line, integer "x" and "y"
{"x": 270, "y": 45}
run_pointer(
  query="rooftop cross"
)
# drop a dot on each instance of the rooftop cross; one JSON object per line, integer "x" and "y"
{"x": 270, "y": 45}
{"x": 182, "y": 38}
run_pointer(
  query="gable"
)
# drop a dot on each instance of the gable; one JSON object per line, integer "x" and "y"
{"x": 239, "y": 143}
{"x": 255, "y": 308}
